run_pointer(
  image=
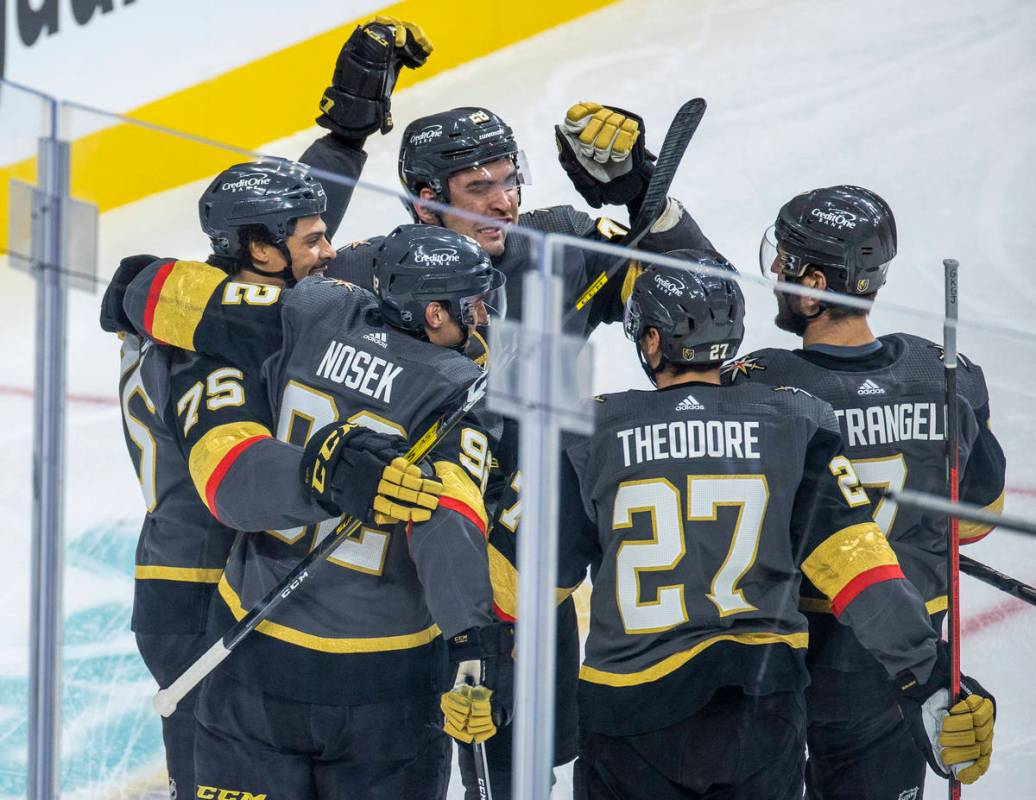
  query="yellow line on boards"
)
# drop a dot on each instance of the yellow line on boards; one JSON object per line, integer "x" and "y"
{"x": 271, "y": 98}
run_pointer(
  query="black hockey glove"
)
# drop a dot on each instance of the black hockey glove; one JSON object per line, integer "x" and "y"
{"x": 357, "y": 102}
{"x": 482, "y": 698}
{"x": 602, "y": 150}
{"x": 113, "y": 318}
{"x": 959, "y": 738}
{"x": 351, "y": 470}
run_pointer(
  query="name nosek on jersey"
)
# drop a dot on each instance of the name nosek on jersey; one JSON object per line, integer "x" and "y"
{"x": 690, "y": 439}
{"x": 894, "y": 422}
{"x": 359, "y": 370}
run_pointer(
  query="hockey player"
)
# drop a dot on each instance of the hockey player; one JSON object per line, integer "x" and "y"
{"x": 182, "y": 548}
{"x": 888, "y": 394}
{"x": 468, "y": 158}
{"x": 338, "y": 693}
{"x": 700, "y": 505}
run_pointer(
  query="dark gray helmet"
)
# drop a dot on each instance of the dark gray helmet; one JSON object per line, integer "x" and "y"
{"x": 418, "y": 264}
{"x": 439, "y": 145}
{"x": 267, "y": 193}
{"x": 700, "y": 318}
{"x": 847, "y": 231}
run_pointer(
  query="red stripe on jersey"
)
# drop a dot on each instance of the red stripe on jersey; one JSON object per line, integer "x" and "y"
{"x": 464, "y": 510}
{"x": 216, "y": 478}
{"x": 503, "y": 615}
{"x": 153, "y": 294}
{"x": 887, "y": 572}
{"x": 977, "y": 538}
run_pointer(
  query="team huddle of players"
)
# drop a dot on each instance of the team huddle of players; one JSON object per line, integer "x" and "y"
{"x": 749, "y": 595}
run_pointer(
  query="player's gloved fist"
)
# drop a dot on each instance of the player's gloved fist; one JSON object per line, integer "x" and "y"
{"x": 357, "y": 102}
{"x": 353, "y": 470}
{"x": 957, "y": 738}
{"x": 113, "y": 318}
{"x": 482, "y": 698}
{"x": 602, "y": 150}
{"x": 405, "y": 494}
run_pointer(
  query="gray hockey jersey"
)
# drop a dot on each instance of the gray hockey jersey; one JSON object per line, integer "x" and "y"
{"x": 375, "y": 610}
{"x": 891, "y": 408}
{"x": 182, "y": 549}
{"x": 703, "y": 506}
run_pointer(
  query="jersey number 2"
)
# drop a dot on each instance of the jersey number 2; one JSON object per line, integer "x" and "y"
{"x": 662, "y": 553}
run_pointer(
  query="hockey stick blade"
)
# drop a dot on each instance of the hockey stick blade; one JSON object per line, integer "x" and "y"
{"x": 679, "y": 135}
{"x": 166, "y": 700}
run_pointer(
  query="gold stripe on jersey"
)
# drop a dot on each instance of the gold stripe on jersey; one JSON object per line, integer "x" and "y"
{"x": 213, "y": 447}
{"x": 632, "y": 273}
{"x": 820, "y": 605}
{"x": 328, "y": 644}
{"x": 152, "y": 572}
{"x": 504, "y": 578}
{"x": 672, "y": 663}
{"x": 457, "y": 485}
{"x": 845, "y": 554}
{"x": 182, "y": 301}
{"x": 973, "y": 531}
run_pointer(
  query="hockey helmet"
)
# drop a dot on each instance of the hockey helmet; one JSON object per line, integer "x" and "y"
{"x": 439, "y": 145}
{"x": 847, "y": 231}
{"x": 700, "y": 318}
{"x": 418, "y": 264}
{"x": 268, "y": 193}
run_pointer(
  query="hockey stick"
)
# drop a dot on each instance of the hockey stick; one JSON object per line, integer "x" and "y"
{"x": 485, "y": 792}
{"x": 679, "y": 135}
{"x": 165, "y": 700}
{"x": 1005, "y": 583}
{"x": 964, "y": 511}
{"x": 949, "y": 335}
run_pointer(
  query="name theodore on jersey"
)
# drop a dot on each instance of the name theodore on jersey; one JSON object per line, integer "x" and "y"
{"x": 690, "y": 439}
{"x": 895, "y": 422}
{"x": 359, "y": 370}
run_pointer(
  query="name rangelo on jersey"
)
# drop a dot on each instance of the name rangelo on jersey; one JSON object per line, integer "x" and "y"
{"x": 690, "y": 439}
{"x": 359, "y": 370}
{"x": 885, "y": 424}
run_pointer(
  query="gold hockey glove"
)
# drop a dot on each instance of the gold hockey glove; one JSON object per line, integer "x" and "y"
{"x": 353, "y": 470}
{"x": 602, "y": 150}
{"x": 957, "y": 739}
{"x": 482, "y": 698}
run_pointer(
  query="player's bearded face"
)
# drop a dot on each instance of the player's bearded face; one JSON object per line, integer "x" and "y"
{"x": 491, "y": 191}
{"x": 789, "y": 318}
{"x": 309, "y": 248}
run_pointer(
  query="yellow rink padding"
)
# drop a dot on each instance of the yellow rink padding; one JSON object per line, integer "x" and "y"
{"x": 273, "y": 97}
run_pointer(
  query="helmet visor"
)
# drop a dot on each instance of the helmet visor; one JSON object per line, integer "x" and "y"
{"x": 774, "y": 259}
{"x": 480, "y": 309}
{"x": 631, "y": 320}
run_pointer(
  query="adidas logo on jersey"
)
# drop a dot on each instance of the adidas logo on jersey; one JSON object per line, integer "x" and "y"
{"x": 690, "y": 404}
{"x": 380, "y": 339}
{"x": 869, "y": 387}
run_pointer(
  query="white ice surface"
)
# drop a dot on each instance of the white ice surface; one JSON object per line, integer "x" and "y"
{"x": 929, "y": 103}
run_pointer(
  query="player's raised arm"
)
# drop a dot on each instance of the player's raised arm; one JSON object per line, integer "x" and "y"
{"x": 358, "y": 102}
{"x": 846, "y": 556}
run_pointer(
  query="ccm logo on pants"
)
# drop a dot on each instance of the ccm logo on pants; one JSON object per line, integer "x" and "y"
{"x": 215, "y": 793}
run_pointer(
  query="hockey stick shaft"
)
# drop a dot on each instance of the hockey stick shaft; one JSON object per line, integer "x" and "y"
{"x": 485, "y": 791}
{"x": 1005, "y": 583}
{"x": 950, "y": 267}
{"x": 965, "y": 511}
{"x": 679, "y": 135}
{"x": 166, "y": 700}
